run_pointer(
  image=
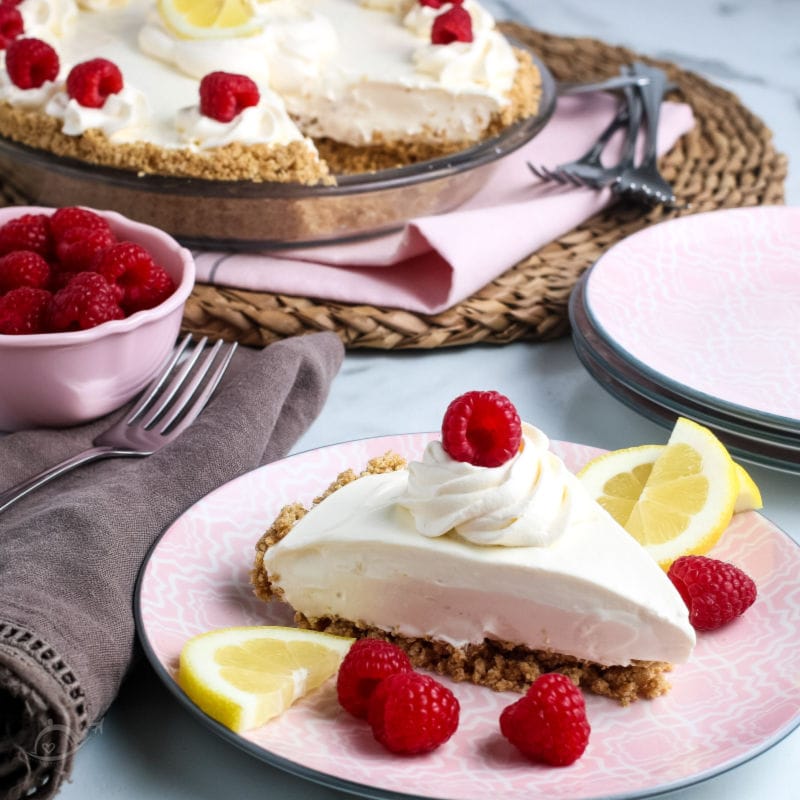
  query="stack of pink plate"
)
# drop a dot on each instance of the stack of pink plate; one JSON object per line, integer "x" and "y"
{"x": 700, "y": 317}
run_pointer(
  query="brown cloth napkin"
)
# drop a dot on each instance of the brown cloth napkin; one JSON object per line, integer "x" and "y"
{"x": 70, "y": 552}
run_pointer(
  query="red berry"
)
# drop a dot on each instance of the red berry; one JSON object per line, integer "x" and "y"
{"x": 79, "y": 248}
{"x": 482, "y": 428}
{"x": 140, "y": 282}
{"x": 70, "y": 217}
{"x": 86, "y": 301}
{"x": 31, "y": 63}
{"x": 223, "y": 95}
{"x": 366, "y": 664}
{"x": 439, "y": 3}
{"x": 28, "y": 232}
{"x": 454, "y": 25}
{"x": 24, "y": 310}
{"x": 11, "y": 25}
{"x": 411, "y": 713}
{"x": 714, "y": 591}
{"x": 91, "y": 82}
{"x": 549, "y": 723}
{"x": 23, "y": 268}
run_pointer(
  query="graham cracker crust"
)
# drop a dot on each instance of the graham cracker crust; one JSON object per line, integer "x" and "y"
{"x": 501, "y": 666}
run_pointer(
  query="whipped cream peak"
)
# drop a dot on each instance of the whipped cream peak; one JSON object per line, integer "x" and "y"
{"x": 525, "y": 502}
{"x": 49, "y": 20}
{"x": 26, "y": 98}
{"x": 265, "y": 122}
{"x": 120, "y": 118}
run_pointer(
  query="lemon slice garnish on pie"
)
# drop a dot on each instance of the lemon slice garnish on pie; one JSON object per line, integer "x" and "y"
{"x": 210, "y": 19}
{"x": 244, "y": 676}
{"x": 675, "y": 499}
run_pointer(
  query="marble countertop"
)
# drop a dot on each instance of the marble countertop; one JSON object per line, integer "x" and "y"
{"x": 150, "y": 747}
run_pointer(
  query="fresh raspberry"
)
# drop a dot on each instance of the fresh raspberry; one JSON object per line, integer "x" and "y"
{"x": 91, "y": 82}
{"x": 366, "y": 664}
{"x": 411, "y": 713}
{"x": 28, "y": 232}
{"x": 223, "y": 95}
{"x": 24, "y": 310}
{"x": 439, "y": 3}
{"x": 79, "y": 248}
{"x": 23, "y": 268}
{"x": 64, "y": 219}
{"x": 454, "y": 25}
{"x": 11, "y": 25}
{"x": 86, "y": 301}
{"x": 482, "y": 428}
{"x": 139, "y": 282}
{"x": 31, "y": 63}
{"x": 158, "y": 287}
{"x": 715, "y": 592}
{"x": 549, "y": 723}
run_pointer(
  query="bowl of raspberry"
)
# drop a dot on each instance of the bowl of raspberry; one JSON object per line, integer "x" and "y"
{"x": 90, "y": 307}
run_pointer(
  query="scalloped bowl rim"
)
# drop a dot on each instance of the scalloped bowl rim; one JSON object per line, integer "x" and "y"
{"x": 114, "y": 326}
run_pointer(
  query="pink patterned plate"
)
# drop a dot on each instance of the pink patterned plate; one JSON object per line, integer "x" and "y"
{"x": 706, "y": 307}
{"x": 738, "y": 696}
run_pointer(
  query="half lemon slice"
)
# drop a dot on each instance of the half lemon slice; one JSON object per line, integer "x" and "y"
{"x": 675, "y": 499}
{"x": 244, "y": 676}
{"x": 210, "y": 19}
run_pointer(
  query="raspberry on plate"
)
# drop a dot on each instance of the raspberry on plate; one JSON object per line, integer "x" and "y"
{"x": 549, "y": 723}
{"x": 91, "y": 82}
{"x": 11, "y": 25}
{"x": 482, "y": 428}
{"x": 411, "y": 713}
{"x": 24, "y": 310}
{"x": 86, "y": 301}
{"x": 31, "y": 62}
{"x": 23, "y": 268}
{"x": 28, "y": 232}
{"x": 366, "y": 664}
{"x": 439, "y": 3}
{"x": 715, "y": 592}
{"x": 454, "y": 25}
{"x": 224, "y": 95}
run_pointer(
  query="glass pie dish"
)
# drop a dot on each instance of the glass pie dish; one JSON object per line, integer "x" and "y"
{"x": 243, "y": 215}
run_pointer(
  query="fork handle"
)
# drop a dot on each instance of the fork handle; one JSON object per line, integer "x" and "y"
{"x": 10, "y": 496}
{"x": 652, "y": 94}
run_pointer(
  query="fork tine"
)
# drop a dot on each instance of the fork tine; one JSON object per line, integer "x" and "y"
{"x": 154, "y": 388}
{"x": 537, "y": 172}
{"x": 193, "y": 402}
{"x": 162, "y": 400}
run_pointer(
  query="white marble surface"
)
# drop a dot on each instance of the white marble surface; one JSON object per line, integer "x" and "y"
{"x": 149, "y": 747}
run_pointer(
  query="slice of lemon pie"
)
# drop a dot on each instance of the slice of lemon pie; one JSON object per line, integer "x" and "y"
{"x": 487, "y": 560}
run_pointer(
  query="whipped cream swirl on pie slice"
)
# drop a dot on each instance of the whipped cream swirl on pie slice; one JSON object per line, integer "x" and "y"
{"x": 524, "y": 503}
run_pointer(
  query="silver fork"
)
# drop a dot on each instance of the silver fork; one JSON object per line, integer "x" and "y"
{"x": 588, "y": 170}
{"x": 171, "y": 402}
{"x": 645, "y": 182}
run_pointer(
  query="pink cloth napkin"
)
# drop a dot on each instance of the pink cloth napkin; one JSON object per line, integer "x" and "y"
{"x": 438, "y": 261}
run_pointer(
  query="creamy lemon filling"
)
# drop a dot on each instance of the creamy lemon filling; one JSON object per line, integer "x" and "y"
{"x": 584, "y": 589}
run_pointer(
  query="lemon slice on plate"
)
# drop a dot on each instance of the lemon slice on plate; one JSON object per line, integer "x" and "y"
{"x": 210, "y": 19}
{"x": 616, "y": 479}
{"x": 244, "y": 676}
{"x": 674, "y": 499}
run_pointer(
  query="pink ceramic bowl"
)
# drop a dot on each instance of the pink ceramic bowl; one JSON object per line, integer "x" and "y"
{"x": 58, "y": 379}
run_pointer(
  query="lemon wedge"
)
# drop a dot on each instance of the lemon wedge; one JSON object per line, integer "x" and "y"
{"x": 675, "y": 499}
{"x": 244, "y": 676}
{"x": 749, "y": 497}
{"x": 616, "y": 479}
{"x": 688, "y": 500}
{"x": 210, "y": 19}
